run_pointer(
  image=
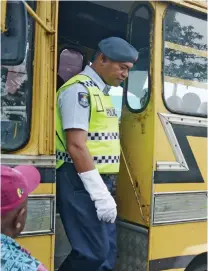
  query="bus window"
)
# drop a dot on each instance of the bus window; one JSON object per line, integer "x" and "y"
{"x": 16, "y": 98}
{"x": 116, "y": 94}
{"x": 138, "y": 86}
{"x": 185, "y": 63}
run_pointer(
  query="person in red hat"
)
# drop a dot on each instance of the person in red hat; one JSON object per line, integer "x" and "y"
{"x": 16, "y": 184}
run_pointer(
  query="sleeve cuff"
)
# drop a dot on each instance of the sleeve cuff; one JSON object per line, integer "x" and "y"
{"x": 82, "y": 127}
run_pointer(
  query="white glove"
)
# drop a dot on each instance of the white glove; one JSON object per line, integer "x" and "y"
{"x": 104, "y": 202}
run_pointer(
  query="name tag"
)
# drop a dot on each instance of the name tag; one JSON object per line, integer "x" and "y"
{"x": 111, "y": 112}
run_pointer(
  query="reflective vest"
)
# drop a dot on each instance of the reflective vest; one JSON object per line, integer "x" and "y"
{"x": 103, "y": 134}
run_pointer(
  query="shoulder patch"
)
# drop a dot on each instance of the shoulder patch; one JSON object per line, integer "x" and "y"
{"x": 83, "y": 99}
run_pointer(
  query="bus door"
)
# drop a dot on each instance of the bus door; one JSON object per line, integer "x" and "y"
{"x": 179, "y": 197}
{"x": 133, "y": 191}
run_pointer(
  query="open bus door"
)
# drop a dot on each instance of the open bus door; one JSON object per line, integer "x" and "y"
{"x": 133, "y": 191}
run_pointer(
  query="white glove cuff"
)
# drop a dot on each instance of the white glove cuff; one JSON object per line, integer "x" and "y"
{"x": 94, "y": 184}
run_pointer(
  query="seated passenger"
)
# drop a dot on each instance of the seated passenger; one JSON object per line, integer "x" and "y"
{"x": 16, "y": 184}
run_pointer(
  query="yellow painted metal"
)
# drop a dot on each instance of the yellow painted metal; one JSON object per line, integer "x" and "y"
{"x": 199, "y": 149}
{"x": 194, "y": 5}
{"x": 3, "y": 15}
{"x": 44, "y": 188}
{"x": 38, "y": 19}
{"x": 137, "y": 137}
{"x": 176, "y": 80}
{"x": 177, "y": 187}
{"x": 43, "y": 66}
{"x": 177, "y": 240}
{"x": 137, "y": 143}
{"x": 54, "y": 52}
{"x": 200, "y": 3}
{"x": 163, "y": 150}
{"x": 42, "y": 136}
{"x": 185, "y": 49}
{"x": 133, "y": 186}
{"x": 41, "y": 247}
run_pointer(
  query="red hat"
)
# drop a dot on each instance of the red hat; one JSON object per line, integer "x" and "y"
{"x": 16, "y": 184}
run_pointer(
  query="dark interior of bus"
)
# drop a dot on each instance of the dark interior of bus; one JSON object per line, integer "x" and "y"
{"x": 82, "y": 24}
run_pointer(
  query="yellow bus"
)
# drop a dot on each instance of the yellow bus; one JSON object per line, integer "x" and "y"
{"x": 161, "y": 189}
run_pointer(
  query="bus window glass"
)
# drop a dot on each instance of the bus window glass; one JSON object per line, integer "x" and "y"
{"x": 185, "y": 63}
{"x": 138, "y": 87}
{"x": 116, "y": 94}
{"x": 16, "y": 98}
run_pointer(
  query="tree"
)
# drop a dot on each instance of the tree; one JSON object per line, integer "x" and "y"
{"x": 186, "y": 66}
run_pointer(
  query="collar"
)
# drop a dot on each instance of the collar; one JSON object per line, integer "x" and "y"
{"x": 96, "y": 78}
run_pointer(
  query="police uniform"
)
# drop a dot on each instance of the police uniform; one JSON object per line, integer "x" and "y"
{"x": 83, "y": 103}
{"x": 75, "y": 113}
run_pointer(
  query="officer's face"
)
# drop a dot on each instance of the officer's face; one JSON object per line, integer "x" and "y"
{"x": 114, "y": 73}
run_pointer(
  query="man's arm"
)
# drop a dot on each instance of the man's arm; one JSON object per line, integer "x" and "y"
{"x": 76, "y": 146}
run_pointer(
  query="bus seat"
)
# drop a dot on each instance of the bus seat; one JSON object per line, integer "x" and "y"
{"x": 203, "y": 109}
{"x": 174, "y": 103}
{"x": 191, "y": 102}
{"x": 70, "y": 64}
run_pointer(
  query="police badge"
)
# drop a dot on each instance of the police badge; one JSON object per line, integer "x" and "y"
{"x": 83, "y": 99}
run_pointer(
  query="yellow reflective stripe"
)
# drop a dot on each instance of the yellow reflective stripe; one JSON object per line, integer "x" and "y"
{"x": 194, "y": 5}
{"x": 176, "y": 80}
{"x": 99, "y": 105}
{"x": 185, "y": 49}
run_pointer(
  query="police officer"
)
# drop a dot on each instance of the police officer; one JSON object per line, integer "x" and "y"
{"x": 87, "y": 150}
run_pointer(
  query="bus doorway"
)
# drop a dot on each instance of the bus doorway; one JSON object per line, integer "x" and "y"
{"x": 82, "y": 25}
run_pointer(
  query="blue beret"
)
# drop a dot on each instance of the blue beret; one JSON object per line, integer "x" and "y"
{"x": 118, "y": 49}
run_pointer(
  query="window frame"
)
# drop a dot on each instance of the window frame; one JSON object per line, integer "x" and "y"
{"x": 29, "y": 94}
{"x": 125, "y": 89}
{"x": 192, "y": 13}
